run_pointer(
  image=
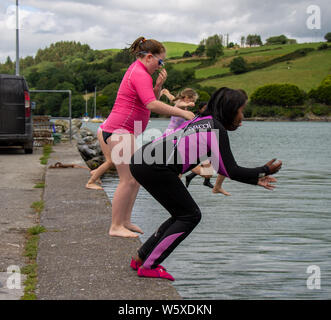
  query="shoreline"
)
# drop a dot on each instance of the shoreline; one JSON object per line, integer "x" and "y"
{"x": 301, "y": 119}
{"x": 309, "y": 118}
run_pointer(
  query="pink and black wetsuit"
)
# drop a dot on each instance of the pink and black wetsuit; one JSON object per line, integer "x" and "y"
{"x": 134, "y": 94}
{"x": 156, "y": 167}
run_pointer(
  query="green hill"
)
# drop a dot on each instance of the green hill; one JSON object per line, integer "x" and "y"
{"x": 306, "y": 72}
{"x": 177, "y": 49}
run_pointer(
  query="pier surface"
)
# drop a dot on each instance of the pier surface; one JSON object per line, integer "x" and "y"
{"x": 77, "y": 259}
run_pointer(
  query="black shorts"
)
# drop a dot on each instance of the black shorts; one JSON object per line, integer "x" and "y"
{"x": 106, "y": 135}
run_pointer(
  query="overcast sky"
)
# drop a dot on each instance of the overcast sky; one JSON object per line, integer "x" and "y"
{"x": 104, "y": 24}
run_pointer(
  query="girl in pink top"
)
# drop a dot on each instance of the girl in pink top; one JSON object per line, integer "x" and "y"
{"x": 135, "y": 100}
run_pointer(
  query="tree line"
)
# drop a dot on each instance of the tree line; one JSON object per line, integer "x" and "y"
{"x": 70, "y": 65}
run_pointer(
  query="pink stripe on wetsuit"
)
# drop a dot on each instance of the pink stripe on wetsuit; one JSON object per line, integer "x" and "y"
{"x": 135, "y": 93}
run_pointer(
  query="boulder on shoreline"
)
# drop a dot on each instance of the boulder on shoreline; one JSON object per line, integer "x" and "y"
{"x": 87, "y": 141}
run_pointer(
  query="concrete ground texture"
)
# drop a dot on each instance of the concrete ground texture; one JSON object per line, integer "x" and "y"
{"x": 77, "y": 259}
{"x": 19, "y": 174}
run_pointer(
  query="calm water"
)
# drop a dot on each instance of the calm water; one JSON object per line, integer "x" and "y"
{"x": 256, "y": 244}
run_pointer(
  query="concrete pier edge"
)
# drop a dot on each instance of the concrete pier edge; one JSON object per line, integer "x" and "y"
{"x": 77, "y": 259}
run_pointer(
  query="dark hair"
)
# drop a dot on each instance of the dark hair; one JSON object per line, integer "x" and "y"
{"x": 224, "y": 104}
{"x": 141, "y": 46}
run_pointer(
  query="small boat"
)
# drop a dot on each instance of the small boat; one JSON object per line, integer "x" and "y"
{"x": 97, "y": 120}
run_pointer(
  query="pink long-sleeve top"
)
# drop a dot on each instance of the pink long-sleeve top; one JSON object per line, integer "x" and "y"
{"x": 134, "y": 94}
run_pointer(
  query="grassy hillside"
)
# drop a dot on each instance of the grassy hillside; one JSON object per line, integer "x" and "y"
{"x": 177, "y": 49}
{"x": 306, "y": 73}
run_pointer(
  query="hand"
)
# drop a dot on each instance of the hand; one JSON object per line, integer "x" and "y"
{"x": 164, "y": 91}
{"x": 274, "y": 167}
{"x": 265, "y": 182}
{"x": 183, "y": 104}
{"x": 161, "y": 78}
{"x": 188, "y": 115}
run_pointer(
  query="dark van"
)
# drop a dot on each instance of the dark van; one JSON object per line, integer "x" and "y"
{"x": 16, "y": 127}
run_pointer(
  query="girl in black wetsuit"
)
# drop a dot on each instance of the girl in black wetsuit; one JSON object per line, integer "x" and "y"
{"x": 156, "y": 167}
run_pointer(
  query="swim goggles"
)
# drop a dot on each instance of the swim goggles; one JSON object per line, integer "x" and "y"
{"x": 160, "y": 61}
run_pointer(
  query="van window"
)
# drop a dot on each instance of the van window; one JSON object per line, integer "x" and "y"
{"x": 13, "y": 91}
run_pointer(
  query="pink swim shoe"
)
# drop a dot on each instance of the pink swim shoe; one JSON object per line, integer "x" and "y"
{"x": 135, "y": 265}
{"x": 155, "y": 273}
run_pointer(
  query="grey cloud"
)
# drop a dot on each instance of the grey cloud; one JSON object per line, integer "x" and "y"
{"x": 116, "y": 23}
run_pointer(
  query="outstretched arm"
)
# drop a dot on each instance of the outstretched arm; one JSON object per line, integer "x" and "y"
{"x": 229, "y": 167}
{"x": 163, "y": 108}
{"x": 167, "y": 94}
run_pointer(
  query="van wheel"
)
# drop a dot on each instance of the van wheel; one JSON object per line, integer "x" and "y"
{"x": 28, "y": 151}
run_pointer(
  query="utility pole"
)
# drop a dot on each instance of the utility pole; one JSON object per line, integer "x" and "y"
{"x": 17, "y": 43}
{"x": 85, "y": 103}
{"x": 95, "y": 102}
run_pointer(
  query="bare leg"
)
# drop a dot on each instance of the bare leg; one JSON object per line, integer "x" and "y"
{"x": 206, "y": 169}
{"x": 97, "y": 173}
{"x": 203, "y": 170}
{"x": 218, "y": 186}
{"x": 127, "y": 189}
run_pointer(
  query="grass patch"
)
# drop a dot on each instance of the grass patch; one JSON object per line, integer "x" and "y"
{"x": 38, "y": 206}
{"x": 31, "y": 281}
{"x": 47, "y": 149}
{"x": 33, "y": 236}
{"x": 185, "y": 65}
{"x": 40, "y": 185}
{"x": 30, "y": 270}
{"x": 36, "y": 230}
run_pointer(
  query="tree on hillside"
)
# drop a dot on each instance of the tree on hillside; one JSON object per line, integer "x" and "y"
{"x": 77, "y": 107}
{"x": 124, "y": 56}
{"x": 242, "y": 41}
{"x": 59, "y": 50}
{"x": 200, "y": 50}
{"x": 253, "y": 40}
{"x": 327, "y": 37}
{"x": 27, "y": 62}
{"x": 111, "y": 92}
{"x": 214, "y": 46}
{"x": 238, "y": 65}
{"x": 277, "y": 40}
{"x": 291, "y": 41}
{"x": 187, "y": 54}
{"x": 7, "y": 67}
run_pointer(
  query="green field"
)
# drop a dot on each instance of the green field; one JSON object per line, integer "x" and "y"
{"x": 177, "y": 49}
{"x": 255, "y": 55}
{"x": 277, "y": 49}
{"x": 306, "y": 73}
{"x": 183, "y": 66}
